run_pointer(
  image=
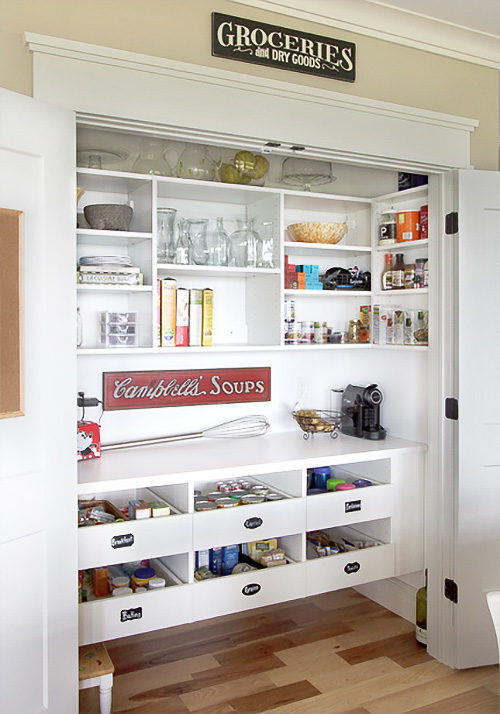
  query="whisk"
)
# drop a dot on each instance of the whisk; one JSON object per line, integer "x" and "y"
{"x": 241, "y": 428}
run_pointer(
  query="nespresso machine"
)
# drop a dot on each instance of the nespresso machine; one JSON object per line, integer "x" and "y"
{"x": 361, "y": 412}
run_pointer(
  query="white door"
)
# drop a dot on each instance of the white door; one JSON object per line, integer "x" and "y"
{"x": 474, "y": 491}
{"x": 38, "y": 593}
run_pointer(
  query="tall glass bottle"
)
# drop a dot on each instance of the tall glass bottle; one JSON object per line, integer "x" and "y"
{"x": 398, "y": 272}
{"x": 421, "y": 614}
{"x": 219, "y": 246}
{"x": 183, "y": 245}
{"x": 265, "y": 258}
{"x": 165, "y": 251}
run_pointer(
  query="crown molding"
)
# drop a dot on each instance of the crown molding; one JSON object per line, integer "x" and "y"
{"x": 402, "y": 27}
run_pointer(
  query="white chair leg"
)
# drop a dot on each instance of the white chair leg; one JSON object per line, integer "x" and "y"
{"x": 105, "y": 689}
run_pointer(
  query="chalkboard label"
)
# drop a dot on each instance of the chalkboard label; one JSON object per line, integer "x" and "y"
{"x": 135, "y": 613}
{"x": 352, "y": 568}
{"x": 122, "y": 541}
{"x": 251, "y": 589}
{"x": 351, "y": 506}
{"x": 253, "y": 522}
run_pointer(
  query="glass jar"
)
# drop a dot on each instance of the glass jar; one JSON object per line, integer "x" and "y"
{"x": 353, "y": 332}
{"x": 409, "y": 275}
{"x": 244, "y": 244}
{"x": 183, "y": 245}
{"x": 219, "y": 245}
{"x": 165, "y": 249}
{"x": 197, "y": 228}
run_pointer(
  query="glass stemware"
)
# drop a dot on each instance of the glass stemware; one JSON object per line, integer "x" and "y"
{"x": 296, "y": 171}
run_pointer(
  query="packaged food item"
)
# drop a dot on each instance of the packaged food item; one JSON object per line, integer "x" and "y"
{"x": 168, "y": 311}
{"x": 256, "y": 549}
{"x": 182, "y": 318}
{"x": 120, "y": 592}
{"x": 205, "y": 506}
{"x": 230, "y": 556}
{"x": 332, "y": 483}
{"x": 416, "y": 327}
{"x": 156, "y": 583}
{"x": 159, "y": 508}
{"x": 419, "y": 272}
{"x": 424, "y": 222}
{"x": 100, "y": 583}
{"x": 195, "y": 317}
{"x": 399, "y": 326}
{"x": 387, "y": 228}
{"x": 409, "y": 276}
{"x": 142, "y": 576}
{"x": 273, "y": 557}
{"x": 381, "y": 316}
{"x": 202, "y": 558}
{"x": 120, "y": 582}
{"x": 216, "y": 561}
{"x": 138, "y": 509}
{"x": 386, "y": 277}
{"x": 88, "y": 440}
{"x": 226, "y": 502}
{"x": 207, "y": 317}
{"x": 364, "y": 321}
{"x": 203, "y": 574}
{"x": 398, "y": 272}
{"x": 408, "y": 226}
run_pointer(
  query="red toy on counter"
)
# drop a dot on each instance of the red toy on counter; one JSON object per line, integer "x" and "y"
{"x": 88, "y": 440}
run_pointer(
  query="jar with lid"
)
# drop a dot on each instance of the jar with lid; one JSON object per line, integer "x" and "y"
{"x": 387, "y": 228}
{"x": 398, "y": 273}
{"x": 353, "y": 332}
{"x": 410, "y": 275}
{"x": 419, "y": 272}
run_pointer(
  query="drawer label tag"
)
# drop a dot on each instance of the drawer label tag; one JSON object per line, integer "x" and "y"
{"x": 352, "y": 568}
{"x": 122, "y": 541}
{"x": 351, "y": 506}
{"x": 135, "y": 613}
{"x": 251, "y": 589}
{"x": 254, "y": 522}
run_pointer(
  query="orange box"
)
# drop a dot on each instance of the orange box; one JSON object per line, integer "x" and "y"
{"x": 100, "y": 583}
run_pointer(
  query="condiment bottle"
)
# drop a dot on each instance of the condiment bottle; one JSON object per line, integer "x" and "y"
{"x": 421, "y": 614}
{"x": 419, "y": 272}
{"x": 410, "y": 275}
{"x": 387, "y": 273}
{"x": 398, "y": 273}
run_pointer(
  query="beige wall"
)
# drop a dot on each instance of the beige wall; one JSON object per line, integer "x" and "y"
{"x": 180, "y": 30}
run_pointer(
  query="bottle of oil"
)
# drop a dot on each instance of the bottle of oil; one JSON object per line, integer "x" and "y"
{"x": 421, "y": 614}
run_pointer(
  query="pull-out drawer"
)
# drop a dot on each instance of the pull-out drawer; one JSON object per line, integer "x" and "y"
{"x": 112, "y": 617}
{"x": 128, "y": 541}
{"x": 346, "y": 570}
{"x": 235, "y": 593}
{"x": 354, "y": 506}
{"x": 242, "y": 524}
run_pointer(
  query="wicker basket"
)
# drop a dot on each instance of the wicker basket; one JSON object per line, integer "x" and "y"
{"x": 314, "y": 421}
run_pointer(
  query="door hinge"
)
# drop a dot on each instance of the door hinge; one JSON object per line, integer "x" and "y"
{"x": 451, "y": 223}
{"x": 451, "y": 590}
{"x": 451, "y": 408}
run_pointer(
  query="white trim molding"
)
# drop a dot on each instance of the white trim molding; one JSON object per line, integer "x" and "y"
{"x": 402, "y": 27}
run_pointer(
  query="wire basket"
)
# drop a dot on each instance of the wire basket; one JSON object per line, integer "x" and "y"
{"x": 315, "y": 421}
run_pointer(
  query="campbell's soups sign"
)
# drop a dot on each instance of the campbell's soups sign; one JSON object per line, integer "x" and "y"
{"x": 193, "y": 387}
{"x": 273, "y": 46}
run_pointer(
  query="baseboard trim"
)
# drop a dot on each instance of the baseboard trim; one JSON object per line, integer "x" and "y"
{"x": 393, "y": 594}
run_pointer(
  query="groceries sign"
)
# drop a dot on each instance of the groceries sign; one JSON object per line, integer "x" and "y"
{"x": 273, "y": 46}
{"x": 173, "y": 388}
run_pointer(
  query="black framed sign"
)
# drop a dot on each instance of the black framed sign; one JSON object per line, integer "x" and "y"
{"x": 273, "y": 46}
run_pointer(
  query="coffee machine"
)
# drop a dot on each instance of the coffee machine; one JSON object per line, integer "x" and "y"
{"x": 361, "y": 412}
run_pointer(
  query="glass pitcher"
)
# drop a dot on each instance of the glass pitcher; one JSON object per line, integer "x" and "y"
{"x": 196, "y": 163}
{"x": 165, "y": 250}
{"x": 244, "y": 244}
{"x": 197, "y": 228}
{"x": 219, "y": 246}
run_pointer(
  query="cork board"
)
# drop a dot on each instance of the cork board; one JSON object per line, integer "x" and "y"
{"x": 11, "y": 381}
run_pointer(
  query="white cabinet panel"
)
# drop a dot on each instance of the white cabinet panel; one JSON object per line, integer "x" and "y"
{"x": 347, "y": 570}
{"x": 344, "y": 507}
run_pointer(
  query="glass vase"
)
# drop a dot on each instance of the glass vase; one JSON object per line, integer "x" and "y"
{"x": 219, "y": 246}
{"x": 244, "y": 244}
{"x": 265, "y": 258}
{"x": 165, "y": 249}
{"x": 197, "y": 228}
{"x": 152, "y": 160}
{"x": 183, "y": 245}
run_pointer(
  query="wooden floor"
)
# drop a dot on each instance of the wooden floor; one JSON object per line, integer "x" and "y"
{"x": 337, "y": 653}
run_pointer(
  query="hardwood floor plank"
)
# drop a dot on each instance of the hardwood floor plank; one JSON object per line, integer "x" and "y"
{"x": 399, "y": 645}
{"x": 326, "y": 678}
{"x": 476, "y": 701}
{"x": 266, "y": 701}
{"x": 452, "y": 683}
{"x": 218, "y": 694}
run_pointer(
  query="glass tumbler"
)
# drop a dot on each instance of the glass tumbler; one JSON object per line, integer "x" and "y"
{"x": 165, "y": 249}
{"x": 197, "y": 228}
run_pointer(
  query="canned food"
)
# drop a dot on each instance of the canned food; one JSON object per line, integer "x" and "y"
{"x": 156, "y": 583}
{"x": 260, "y": 490}
{"x": 237, "y": 493}
{"x": 252, "y": 498}
{"x": 204, "y": 506}
{"x": 226, "y": 502}
{"x": 213, "y": 495}
{"x": 225, "y": 488}
{"x": 274, "y": 497}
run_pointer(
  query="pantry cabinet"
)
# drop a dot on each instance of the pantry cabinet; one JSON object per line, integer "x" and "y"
{"x": 381, "y": 525}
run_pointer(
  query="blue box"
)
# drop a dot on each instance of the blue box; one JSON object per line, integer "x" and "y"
{"x": 216, "y": 560}
{"x": 230, "y": 557}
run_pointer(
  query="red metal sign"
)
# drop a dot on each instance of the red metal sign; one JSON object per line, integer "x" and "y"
{"x": 193, "y": 387}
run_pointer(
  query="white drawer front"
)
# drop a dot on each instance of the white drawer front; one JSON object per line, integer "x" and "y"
{"x": 114, "y": 617}
{"x": 349, "y": 569}
{"x": 361, "y": 504}
{"x": 235, "y": 593}
{"x": 112, "y": 543}
{"x": 243, "y": 524}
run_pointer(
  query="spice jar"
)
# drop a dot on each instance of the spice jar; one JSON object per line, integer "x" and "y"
{"x": 387, "y": 228}
{"x": 419, "y": 272}
{"x": 353, "y": 332}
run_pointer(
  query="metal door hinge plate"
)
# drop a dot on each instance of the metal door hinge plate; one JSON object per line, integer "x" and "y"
{"x": 451, "y": 223}
{"x": 451, "y": 408}
{"x": 451, "y": 590}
